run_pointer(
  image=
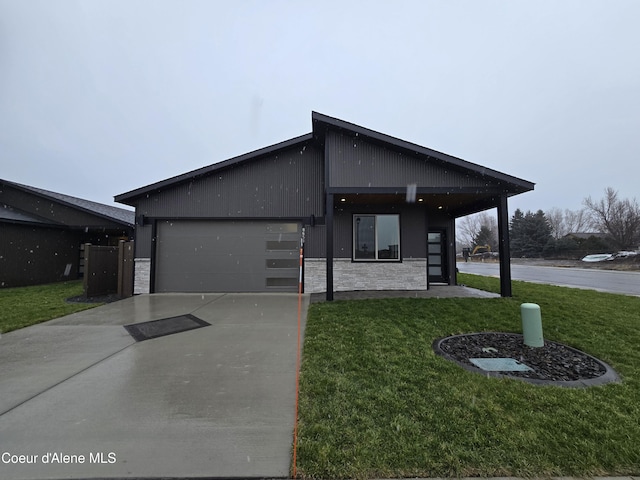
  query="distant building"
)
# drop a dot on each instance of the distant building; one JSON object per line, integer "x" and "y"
{"x": 586, "y": 235}
{"x": 43, "y": 233}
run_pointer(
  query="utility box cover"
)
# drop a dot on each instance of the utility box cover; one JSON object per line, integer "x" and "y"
{"x": 500, "y": 365}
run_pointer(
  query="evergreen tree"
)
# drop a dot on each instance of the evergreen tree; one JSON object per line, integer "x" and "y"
{"x": 486, "y": 236}
{"x": 530, "y": 233}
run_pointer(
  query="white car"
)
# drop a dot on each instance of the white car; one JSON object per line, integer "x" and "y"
{"x": 598, "y": 257}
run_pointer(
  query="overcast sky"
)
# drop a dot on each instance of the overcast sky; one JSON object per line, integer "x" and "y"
{"x": 101, "y": 97}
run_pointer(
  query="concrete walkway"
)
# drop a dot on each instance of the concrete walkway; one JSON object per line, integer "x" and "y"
{"x": 436, "y": 291}
{"x": 212, "y": 402}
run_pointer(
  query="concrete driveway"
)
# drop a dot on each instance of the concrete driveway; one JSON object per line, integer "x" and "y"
{"x": 79, "y": 398}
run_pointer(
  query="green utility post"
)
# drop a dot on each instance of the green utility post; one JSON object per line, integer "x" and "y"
{"x": 532, "y": 325}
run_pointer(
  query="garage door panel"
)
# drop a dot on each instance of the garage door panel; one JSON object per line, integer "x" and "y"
{"x": 207, "y": 256}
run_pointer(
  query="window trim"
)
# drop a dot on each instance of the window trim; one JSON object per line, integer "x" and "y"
{"x": 354, "y": 236}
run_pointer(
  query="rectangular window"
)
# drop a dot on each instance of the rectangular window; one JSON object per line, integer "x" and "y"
{"x": 283, "y": 245}
{"x": 376, "y": 237}
{"x": 282, "y": 263}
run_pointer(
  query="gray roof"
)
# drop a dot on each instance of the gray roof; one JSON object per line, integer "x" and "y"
{"x": 9, "y": 213}
{"x": 116, "y": 214}
{"x": 586, "y": 234}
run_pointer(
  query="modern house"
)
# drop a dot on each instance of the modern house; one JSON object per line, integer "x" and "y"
{"x": 43, "y": 233}
{"x": 377, "y": 213}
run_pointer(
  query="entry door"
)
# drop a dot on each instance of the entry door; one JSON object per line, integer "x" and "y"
{"x": 437, "y": 257}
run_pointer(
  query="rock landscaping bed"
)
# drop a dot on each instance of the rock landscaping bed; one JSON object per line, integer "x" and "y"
{"x": 98, "y": 299}
{"x": 553, "y": 363}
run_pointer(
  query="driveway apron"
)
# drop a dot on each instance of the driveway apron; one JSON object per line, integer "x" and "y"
{"x": 79, "y": 398}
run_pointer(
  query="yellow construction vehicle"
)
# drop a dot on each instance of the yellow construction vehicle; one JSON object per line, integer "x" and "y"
{"x": 483, "y": 248}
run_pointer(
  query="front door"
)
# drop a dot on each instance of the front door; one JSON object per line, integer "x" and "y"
{"x": 437, "y": 257}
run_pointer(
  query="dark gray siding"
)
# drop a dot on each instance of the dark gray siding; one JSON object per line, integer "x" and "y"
{"x": 315, "y": 241}
{"x": 413, "y": 228}
{"x": 32, "y": 255}
{"x": 355, "y": 162}
{"x": 143, "y": 241}
{"x": 286, "y": 184}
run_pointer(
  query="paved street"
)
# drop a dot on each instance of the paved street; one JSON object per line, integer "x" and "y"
{"x": 603, "y": 280}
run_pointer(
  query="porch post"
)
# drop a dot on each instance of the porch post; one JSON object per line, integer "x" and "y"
{"x": 329, "y": 228}
{"x": 451, "y": 253}
{"x": 505, "y": 251}
{"x": 426, "y": 243}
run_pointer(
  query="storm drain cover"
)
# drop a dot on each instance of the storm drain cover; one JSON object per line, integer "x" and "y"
{"x": 166, "y": 326}
{"x": 499, "y": 364}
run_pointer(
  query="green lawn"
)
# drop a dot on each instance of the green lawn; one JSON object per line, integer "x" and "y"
{"x": 375, "y": 401}
{"x": 24, "y": 306}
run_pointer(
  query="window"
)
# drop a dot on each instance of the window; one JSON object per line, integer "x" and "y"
{"x": 376, "y": 237}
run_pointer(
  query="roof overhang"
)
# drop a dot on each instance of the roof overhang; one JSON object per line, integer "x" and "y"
{"x": 510, "y": 185}
{"x": 112, "y": 214}
{"x": 460, "y": 202}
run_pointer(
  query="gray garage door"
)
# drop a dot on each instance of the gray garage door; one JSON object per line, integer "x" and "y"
{"x": 227, "y": 256}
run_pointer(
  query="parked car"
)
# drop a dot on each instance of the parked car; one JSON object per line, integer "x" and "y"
{"x": 598, "y": 257}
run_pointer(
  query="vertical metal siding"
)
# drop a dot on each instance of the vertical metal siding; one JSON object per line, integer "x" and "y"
{"x": 34, "y": 255}
{"x": 359, "y": 163}
{"x": 287, "y": 184}
{"x": 315, "y": 242}
{"x": 342, "y": 234}
{"x": 143, "y": 241}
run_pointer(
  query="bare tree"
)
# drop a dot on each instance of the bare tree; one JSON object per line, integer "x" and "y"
{"x": 575, "y": 221}
{"x": 555, "y": 217}
{"x": 620, "y": 219}
{"x": 569, "y": 221}
{"x": 468, "y": 228}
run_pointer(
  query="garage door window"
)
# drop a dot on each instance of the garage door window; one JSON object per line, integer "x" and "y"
{"x": 282, "y": 245}
{"x": 376, "y": 238}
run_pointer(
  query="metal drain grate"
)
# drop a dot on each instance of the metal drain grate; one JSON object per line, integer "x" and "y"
{"x": 166, "y": 326}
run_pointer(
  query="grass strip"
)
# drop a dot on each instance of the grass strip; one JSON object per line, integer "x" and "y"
{"x": 376, "y": 402}
{"x": 24, "y": 306}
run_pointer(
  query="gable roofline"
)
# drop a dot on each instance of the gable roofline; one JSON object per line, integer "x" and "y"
{"x": 108, "y": 212}
{"x": 323, "y": 122}
{"x": 129, "y": 197}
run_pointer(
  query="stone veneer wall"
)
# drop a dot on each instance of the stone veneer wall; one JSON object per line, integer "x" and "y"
{"x": 347, "y": 275}
{"x": 142, "y": 275}
{"x": 411, "y": 274}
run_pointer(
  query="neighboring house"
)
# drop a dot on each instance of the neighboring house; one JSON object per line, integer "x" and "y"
{"x": 43, "y": 233}
{"x": 377, "y": 213}
{"x": 586, "y": 235}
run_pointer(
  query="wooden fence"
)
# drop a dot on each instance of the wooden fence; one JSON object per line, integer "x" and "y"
{"x": 108, "y": 270}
